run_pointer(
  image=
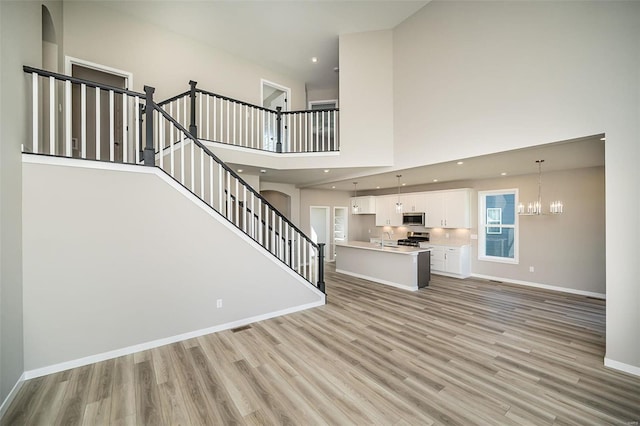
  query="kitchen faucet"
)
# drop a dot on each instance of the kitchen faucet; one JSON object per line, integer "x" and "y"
{"x": 382, "y": 239}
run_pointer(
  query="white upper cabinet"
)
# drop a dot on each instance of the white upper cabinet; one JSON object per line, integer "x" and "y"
{"x": 449, "y": 209}
{"x": 414, "y": 202}
{"x": 366, "y": 204}
{"x": 386, "y": 214}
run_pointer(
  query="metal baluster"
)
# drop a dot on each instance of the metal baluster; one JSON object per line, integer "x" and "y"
{"x": 97, "y": 123}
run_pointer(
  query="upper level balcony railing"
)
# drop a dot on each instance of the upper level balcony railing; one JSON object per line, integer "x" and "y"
{"x": 217, "y": 118}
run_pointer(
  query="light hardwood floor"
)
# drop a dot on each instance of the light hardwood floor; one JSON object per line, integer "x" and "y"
{"x": 458, "y": 352}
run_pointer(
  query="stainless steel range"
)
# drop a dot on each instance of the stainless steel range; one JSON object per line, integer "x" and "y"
{"x": 414, "y": 239}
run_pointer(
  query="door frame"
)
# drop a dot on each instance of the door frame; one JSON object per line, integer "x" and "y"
{"x": 335, "y": 101}
{"x": 69, "y": 61}
{"x": 285, "y": 89}
{"x": 328, "y": 239}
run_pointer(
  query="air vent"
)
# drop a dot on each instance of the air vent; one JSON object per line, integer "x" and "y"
{"x": 238, "y": 329}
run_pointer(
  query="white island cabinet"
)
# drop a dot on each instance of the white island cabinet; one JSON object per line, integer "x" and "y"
{"x": 408, "y": 268}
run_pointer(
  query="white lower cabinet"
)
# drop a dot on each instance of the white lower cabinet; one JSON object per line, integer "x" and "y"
{"x": 451, "y": 261}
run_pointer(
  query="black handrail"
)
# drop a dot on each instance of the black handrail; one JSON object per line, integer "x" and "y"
{"x": 176, "y": 97}
{"x": 226, "y": 98}
{"x": 304, "y": 111}
{"x": 76, "y": 80}
{"x": 228, "y": 169}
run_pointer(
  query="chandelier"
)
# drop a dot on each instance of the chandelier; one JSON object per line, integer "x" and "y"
{"x": 355, "y": 206}
{"x": 535, "y": 207}
{"x": 398, "y": 203}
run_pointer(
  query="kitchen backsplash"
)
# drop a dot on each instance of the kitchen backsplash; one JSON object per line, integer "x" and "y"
{"x": 457, "y": 237}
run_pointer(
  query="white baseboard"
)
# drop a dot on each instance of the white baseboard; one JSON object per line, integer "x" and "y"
{"x": 56, "y": 368}
{"x": 12, "y": 394}
{"x": 377, "y": 280}
{"x": 543, "y": 286}
{"x": 621, "y": 366}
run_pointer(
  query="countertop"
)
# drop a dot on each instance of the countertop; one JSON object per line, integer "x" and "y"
{"x": 376, "y": 247}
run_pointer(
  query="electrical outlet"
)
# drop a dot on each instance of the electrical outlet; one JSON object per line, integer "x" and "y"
{"x": 531, "y": 269}
{"x": 219, "y": 303}
{"x": 446, "y": 235}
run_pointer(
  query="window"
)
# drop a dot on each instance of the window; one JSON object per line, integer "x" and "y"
{"x": 498, "y": 231}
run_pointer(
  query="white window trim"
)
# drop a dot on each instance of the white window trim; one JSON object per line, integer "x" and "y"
{"x": 482, "y": 225}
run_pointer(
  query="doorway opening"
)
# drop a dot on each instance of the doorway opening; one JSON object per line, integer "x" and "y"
{"x": 273, "y": 96}
{"x": 319, "y": 221}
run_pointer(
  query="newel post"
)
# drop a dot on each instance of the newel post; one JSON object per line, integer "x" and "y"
{"x": 321, "y": 267}
{"x": 149, "y": 154}
{"x": 193, "y": 129}
{"x": 279, "y": 129}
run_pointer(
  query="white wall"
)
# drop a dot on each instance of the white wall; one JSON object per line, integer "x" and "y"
{"x": 165, "y": 60}
{"x": 291, "y": 191}
{"x": 122, "y": 258}
{"x": 20, "y": 44}
{"x": 366, "y": 98}
{"x": 473, "y": 78}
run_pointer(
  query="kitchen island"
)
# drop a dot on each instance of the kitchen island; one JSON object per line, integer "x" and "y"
{"x": 408, "y": 268}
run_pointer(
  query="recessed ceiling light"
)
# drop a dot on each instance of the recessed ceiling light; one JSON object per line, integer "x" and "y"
{"x": 377, "y": 187}
{"x": 333, "y": 187}
{"x": 460, "y": 162}
{"x": 326, "y": 170}
{"x": 314, "y": 59}
{"x": 435, "y": 180}
{"x": 404, "y": 184}
{"x": 263, "y": 171}
{"x": 240, "y": 170}
{"x": 503, "y": 174}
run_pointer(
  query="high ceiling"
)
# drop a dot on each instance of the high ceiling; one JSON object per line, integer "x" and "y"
{"x": 285, "y": 35}
{"x": 279, "y": 35}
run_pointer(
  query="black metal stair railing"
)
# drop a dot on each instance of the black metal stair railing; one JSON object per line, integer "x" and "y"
{"x": 104, "y": 123}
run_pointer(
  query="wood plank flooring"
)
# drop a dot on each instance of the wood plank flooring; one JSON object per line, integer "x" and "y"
{"x": 457, "y": 353}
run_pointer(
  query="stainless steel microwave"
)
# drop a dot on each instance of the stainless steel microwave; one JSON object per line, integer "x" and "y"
{"x": 413, "y": 218}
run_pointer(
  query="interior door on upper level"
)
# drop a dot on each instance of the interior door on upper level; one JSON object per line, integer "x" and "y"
{"x": 103, "y": 136}
{"x": 274, "y": 96}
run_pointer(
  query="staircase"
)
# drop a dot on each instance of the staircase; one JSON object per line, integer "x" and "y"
{"x": 123, "y": 126}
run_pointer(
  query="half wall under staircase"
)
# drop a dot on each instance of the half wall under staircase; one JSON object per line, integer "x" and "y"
{"x": 107, "y": 238}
